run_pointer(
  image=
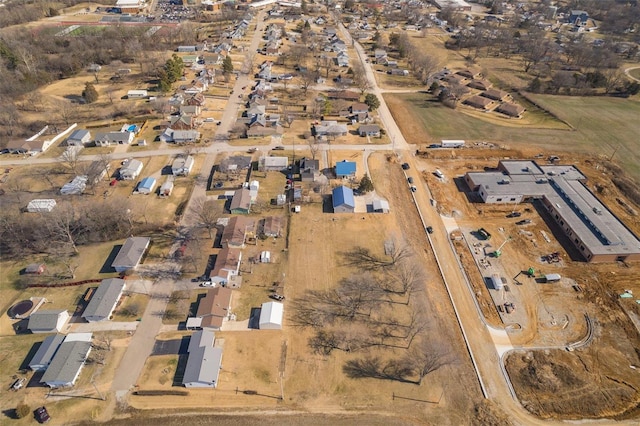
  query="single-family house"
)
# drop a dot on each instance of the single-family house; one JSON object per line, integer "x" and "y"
{"x": 273, "y": 164}
{"x": 345, "y": 169}
{"x": 130, "y": 254}
{"x": 45, "y": 353}
{"x": 190, "y": 110}
{"x": 261, "y": 131}
{"x": 166, "y": 189}
{"x": 309, "y": 169}
{"x": 64, "y": 369}
{"x": 578, "y": 17}
{"x": 236, "y": 231}
{"x": 114, "y": 138}
{"x": 51, "y": 321}
{"x": 204, "y": 361}
{"x": 137, "y": 94}
{"x": 182, "y": 122}
{"x": 359, "y": 108}
{"x": 272, "y": 226}
{"x": 399, "y": 72}
{"x": 185, "y": 136}
{"x": 197, "y": 99}
{"x": 379, "y": 54}
{"x": 479, "y": 102}
{"x": 79, "y": 137}
{"x": 131, "y": 169}
{"x": 495, "y": 94}
{"x": 471, "y": 73}
{"x": 480, "y": 84}
{"x": 235, "y": 163}
{"x": 369, "y": 130}
{"x": 241, "y": 202}
{"x": 330, "y": 129}
{"x": 342, "y": 59}
{"x": 511, "y": 109}
{"x": 104, "y": 300}
{"x": 343, "y": 200}
{"x": 146, "y": 185}
{"x": 215, "y": 307}
{"x": 41, "y": 205}
{"x": 182, "y": 165}
{"x": 346, "y": 95}
{"x": 271, "y": 315}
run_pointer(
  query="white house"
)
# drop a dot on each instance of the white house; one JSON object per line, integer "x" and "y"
{"x": 271, "y": 316}
{"x": 48, "y": 321}
{"x": 114, "y": 138}
{"x": 131, "y": 169}
{"x": 182, "y": 166}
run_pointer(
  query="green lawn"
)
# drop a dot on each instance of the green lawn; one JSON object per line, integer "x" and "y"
{"x": 602, "y": 125}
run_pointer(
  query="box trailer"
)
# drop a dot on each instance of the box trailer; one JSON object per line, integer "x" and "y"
{"x": 496, "y": 281}
{"x": 551, "y": 278}
{"x": 452, "y": 143}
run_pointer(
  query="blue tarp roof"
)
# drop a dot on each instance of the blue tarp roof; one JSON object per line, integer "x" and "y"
{"x": 343, "y": 196}
{"x": 345, "y": 168}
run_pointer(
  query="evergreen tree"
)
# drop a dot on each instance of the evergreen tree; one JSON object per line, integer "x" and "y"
{"x": 90, "y": 94}
{"x": 366, "y": 185}
{"x": 227, "y": 65}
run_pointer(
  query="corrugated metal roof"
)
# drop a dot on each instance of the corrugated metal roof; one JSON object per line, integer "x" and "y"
{"x": 343, "y": 195}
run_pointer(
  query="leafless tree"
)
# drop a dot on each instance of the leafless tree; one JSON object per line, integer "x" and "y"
{"x": 429, "y": 355}
{"x": 63, "y": 227}
{"x": 206, "y": 213}
{"x": 360, "y": 79}
{"x": 70, "y": 158}
{"x": 313, "y": 147}
{"x": 306, "y": 79}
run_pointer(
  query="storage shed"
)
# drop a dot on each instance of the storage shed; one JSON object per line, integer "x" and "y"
{"x": 51, "y": 321}
{"x": 271, "y": 316}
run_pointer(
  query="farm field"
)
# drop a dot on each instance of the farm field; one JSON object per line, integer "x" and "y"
{"x": 602, "y": 126}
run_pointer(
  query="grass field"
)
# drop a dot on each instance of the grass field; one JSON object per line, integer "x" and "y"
{"x": 602, "y": 125}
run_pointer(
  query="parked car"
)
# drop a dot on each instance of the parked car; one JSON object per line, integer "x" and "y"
{"x": 277, "y": 296}
{"x": 514, "y": 214}
{"x": 113, "y": 182}
{"x": 413, "y": 188}
{"x": 430, "y": 229}
{"x": 207, "y": 284}
{"x": 217, "y": 185}
{"x": 405, "y": 166}
{"x": 279, "y": 148}
{"x": 410, "y": 179}
{"x": 41, "y": 414}
{"x": 523, "y": 222}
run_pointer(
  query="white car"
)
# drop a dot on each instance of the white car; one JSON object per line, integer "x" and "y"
{"x": 207, "y": 284}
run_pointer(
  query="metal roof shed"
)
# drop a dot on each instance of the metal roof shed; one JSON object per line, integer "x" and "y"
{"x": 271, "y": 316}
{"x": 147, "y": 185}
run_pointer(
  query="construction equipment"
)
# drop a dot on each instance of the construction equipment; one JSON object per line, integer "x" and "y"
{"x": 498, "y": 251}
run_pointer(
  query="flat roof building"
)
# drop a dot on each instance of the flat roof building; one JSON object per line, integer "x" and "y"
{"x": 592, "y": 228}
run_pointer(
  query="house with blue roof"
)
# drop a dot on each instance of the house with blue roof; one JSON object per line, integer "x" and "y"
{"x": 343, "y": 201}
{"x": 345, "y": 168}
{"x": 147, "y": 185}
{"x": 578, "y": 18}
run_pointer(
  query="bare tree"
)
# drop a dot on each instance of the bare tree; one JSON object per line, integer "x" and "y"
{"x": 70, "y": 158}
{"x": 63, "y": 227}
{"x": 206, "y": 213}
{"x": 428, "y": 356}
{"x": 360, "y": 79}
{"x": 313, "y": 147}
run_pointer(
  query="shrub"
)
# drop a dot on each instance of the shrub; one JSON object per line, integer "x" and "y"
{"x": 23, "y": 410}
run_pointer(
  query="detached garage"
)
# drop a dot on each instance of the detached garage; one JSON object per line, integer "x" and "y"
{"x": 271, "y": 316}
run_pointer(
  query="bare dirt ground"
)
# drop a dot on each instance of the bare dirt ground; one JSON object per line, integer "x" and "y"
{"x": 595, "y": 381}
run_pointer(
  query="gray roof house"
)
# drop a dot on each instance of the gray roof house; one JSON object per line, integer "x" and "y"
{"x": 241, "y": 202}
{"x": 104, "y": 300}
{"x": 130, "y": 254}
{"x": 79, "y": 138}
{"x": 131, "y": 169}
{"x": 204, "y": 361}
{"x": 46, "y": 352}
{"x": 273, "y": 164}
{"x": 65, "y": 367}
{"x": 114, "y": 138}
{"x": 48, "y": 321}
{"x": 182, "y": 166}
{"x": 369, "y": 130}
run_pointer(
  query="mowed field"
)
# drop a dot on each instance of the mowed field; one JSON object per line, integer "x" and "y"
{"x": 601, "y": 125}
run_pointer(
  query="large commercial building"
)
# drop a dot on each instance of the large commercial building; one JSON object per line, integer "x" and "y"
{"x": 594, "y": 230}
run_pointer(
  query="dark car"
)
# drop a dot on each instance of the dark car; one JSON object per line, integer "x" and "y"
{"x": 413, "y": 189}
{"x": 514, "y": 214}
{"x": 429, "y": 229}
{"x": 523, "y": 222}
{"x": 405, "y": 166}
{"x": 41, "y": 415}
{"x": 217, "y": 185}
{"x": 278, "y": 148}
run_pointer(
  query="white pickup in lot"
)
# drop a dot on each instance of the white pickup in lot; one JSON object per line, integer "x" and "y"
{"x": 207, "y": 284}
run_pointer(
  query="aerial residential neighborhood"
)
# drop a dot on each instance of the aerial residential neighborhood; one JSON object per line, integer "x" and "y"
{"x": 403, "y": 212}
